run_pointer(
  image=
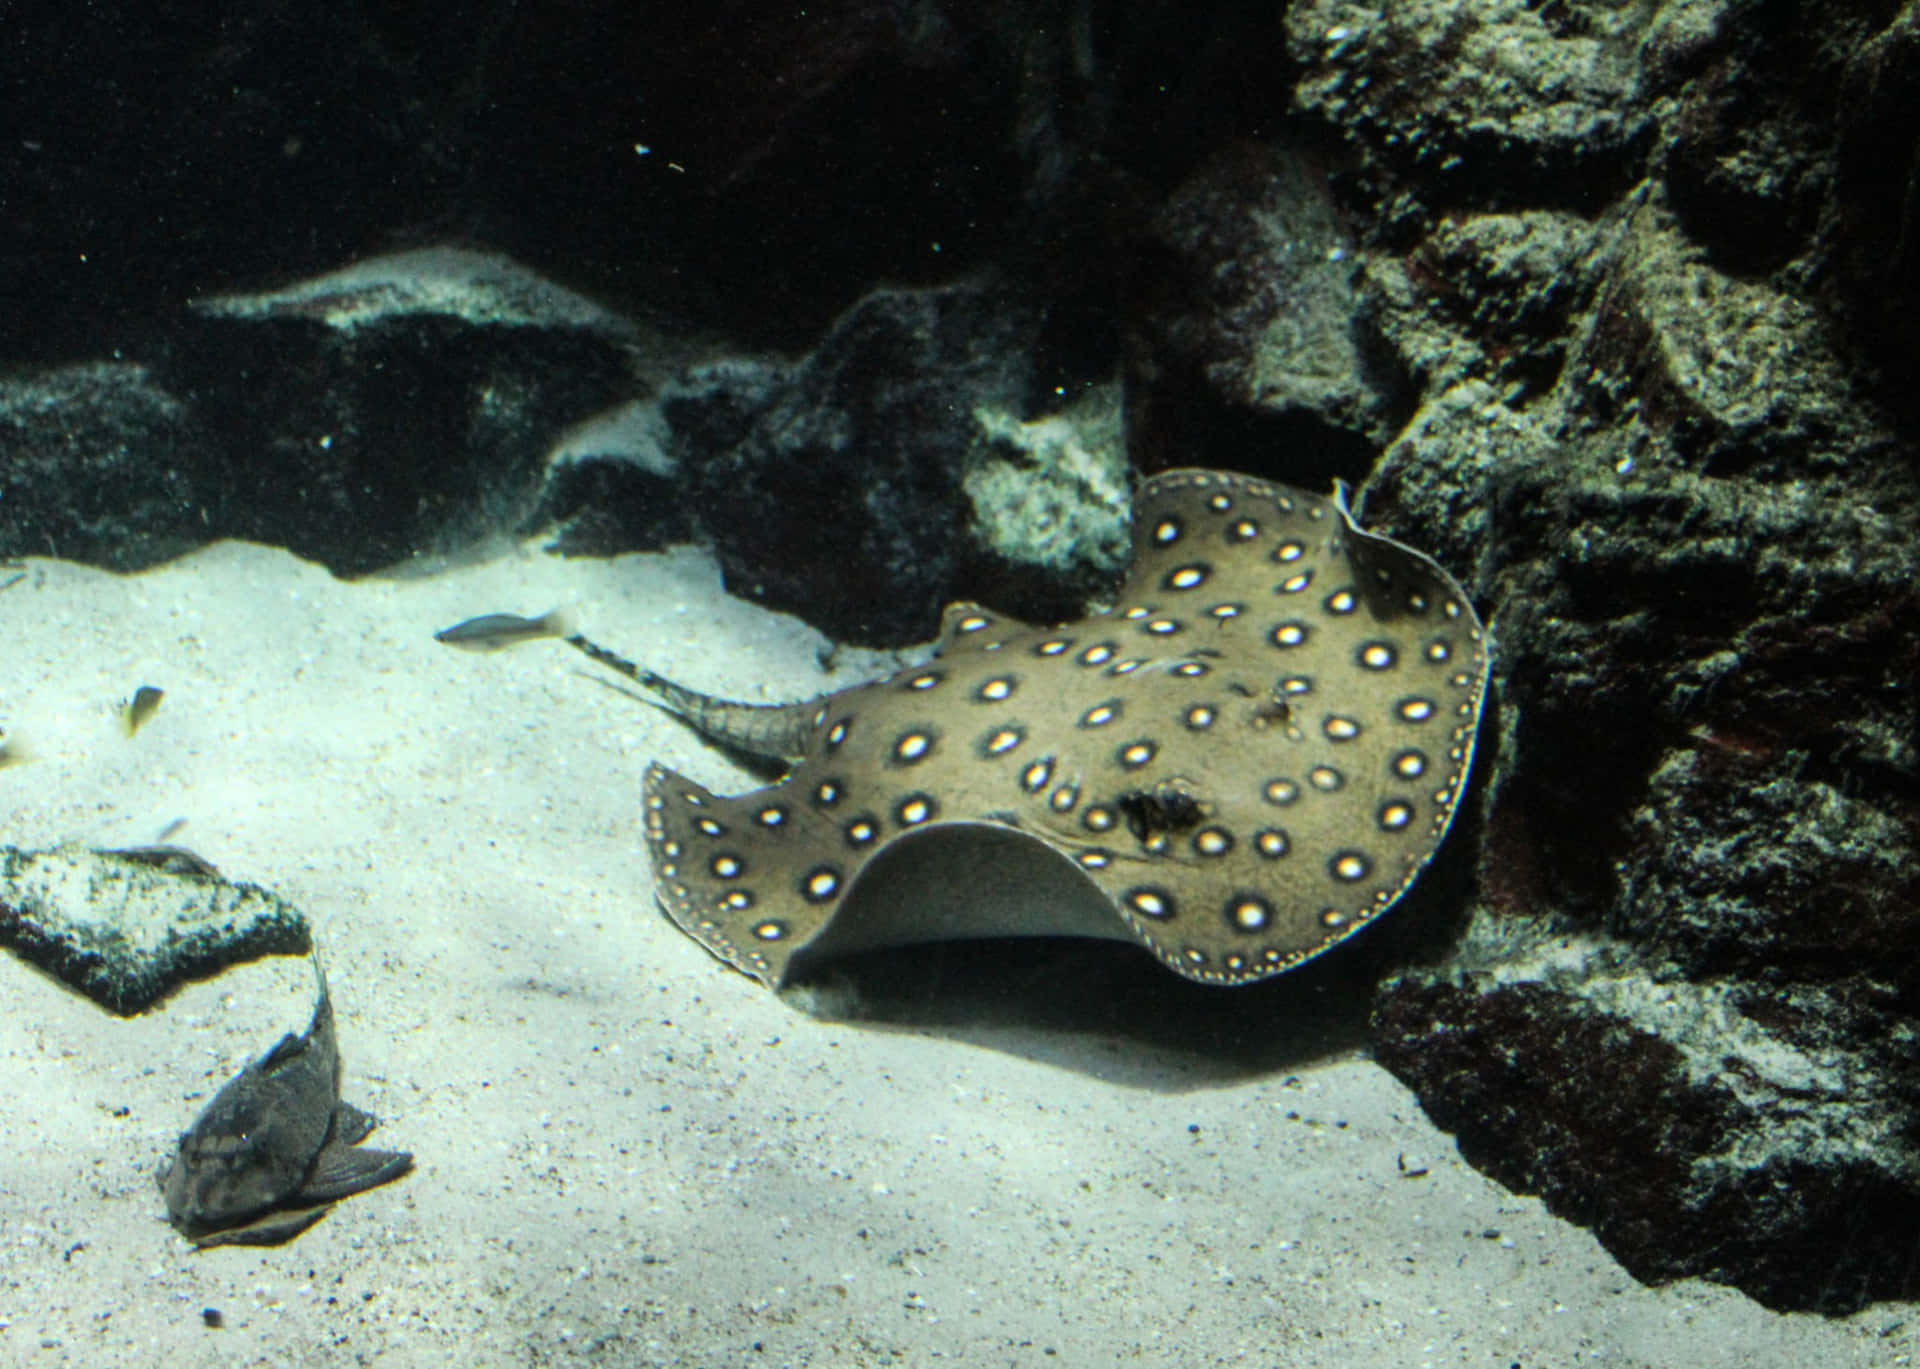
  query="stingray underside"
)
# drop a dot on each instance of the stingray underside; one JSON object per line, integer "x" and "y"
{"x": 777, "y": 908}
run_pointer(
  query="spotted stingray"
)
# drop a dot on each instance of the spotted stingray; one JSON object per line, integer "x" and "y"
{"x": 1246, "y": 758}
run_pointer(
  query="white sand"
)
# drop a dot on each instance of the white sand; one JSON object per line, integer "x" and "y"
{"x": 628, "y": 1154}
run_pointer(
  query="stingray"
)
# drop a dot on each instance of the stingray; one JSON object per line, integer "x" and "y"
{"x": 1246, "y": 757}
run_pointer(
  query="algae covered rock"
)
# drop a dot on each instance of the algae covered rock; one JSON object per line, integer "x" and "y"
{"x": 126, "y": 932}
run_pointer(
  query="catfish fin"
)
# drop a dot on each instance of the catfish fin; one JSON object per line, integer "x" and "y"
{"x": 288, "y": 1048}
{"x": 343, "y": 1170}
{"x": 351, "y": 1125}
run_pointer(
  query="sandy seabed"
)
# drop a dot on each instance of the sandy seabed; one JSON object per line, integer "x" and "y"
{"x": 626, "y": 1153}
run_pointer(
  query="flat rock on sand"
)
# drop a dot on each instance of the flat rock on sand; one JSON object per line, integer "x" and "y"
{"x": 126, "y": 933}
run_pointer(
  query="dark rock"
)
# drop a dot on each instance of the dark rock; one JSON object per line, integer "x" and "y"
{"x": 403, "y": 408}
{"x": 1746, "y": 164}
{"x": 835, "y": 488}
{"x": 103, "y": 464}
{"x": 126, "y": 933}
{"x": 1709, "y": 776}
{"x": 1731, "y": 1172}
{"x": 1247, "y": 297}
{"x": 1441, "y": 103}
{"x": 605, "y": 505}
{"x": 1492, "y": 297}
{"x": 1869, "y": 268}
{"x": 1682, "y": 1009}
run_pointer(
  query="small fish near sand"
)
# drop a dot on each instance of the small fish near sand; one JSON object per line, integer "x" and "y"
{"x": 497, "y": 631}
{"x": 143, "y": 705}
{"x": 276, "y": 1148}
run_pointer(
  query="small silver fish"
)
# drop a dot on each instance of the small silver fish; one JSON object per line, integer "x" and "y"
{"x": 494, "y": 631}
{"x": 135, "y": 711}
{"x": 276, "y": 1147}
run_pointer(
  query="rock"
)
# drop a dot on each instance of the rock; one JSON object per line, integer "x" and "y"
{"x": 405, "y": 407}
{"x": 1678, "y": 1006}
{"x": 81, "y": 479}
{"x": 1487, "y": 103}
{"x": 836, "y": 488}
{"x": 1050, "y": 504}
{"x": 126, "y": 934}
{"x": 1250, "y": 279}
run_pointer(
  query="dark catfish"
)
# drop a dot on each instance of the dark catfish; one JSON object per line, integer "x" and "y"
{"x": 276, "y": 1147}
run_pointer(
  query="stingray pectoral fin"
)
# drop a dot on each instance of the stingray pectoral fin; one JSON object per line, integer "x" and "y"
{"x": 275, "y": 1228}
{"x": 1219, "y": 909}
{"x": 750, "y": 878}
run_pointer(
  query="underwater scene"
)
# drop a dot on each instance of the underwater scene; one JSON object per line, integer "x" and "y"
{"x": 896, "y": 683}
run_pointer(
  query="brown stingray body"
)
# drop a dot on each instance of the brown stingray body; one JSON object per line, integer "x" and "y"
{"x": 1248, "y": 756}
